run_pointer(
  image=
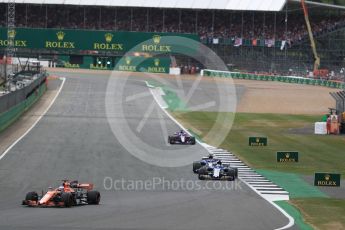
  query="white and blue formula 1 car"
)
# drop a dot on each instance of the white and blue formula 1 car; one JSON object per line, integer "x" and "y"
{"x": 211, "y": 168}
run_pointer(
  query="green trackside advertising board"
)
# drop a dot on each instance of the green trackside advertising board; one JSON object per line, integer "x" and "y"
{"x": 286, "y": 79}
{"x": 56, "y": 39}
{"x": 142, "y": 64}
{"x": 126, "y": 63}
{"x": 287, "y": 156}
{"x": 327, "y": 179}
{"x": 257, "y": 141}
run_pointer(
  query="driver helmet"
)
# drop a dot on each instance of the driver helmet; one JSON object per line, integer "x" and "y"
{"x": 210, "y": 156}
{"x": 219, "y": 162}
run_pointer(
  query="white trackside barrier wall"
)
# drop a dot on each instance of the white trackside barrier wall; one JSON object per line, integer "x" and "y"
{"x": 175, "y": 71}
{"x": 263, "y": 77}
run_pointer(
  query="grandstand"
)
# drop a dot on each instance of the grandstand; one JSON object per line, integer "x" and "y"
{"x": 268, "y": 36}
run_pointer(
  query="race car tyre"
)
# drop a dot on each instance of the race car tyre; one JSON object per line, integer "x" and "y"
{"x": 171, "y": 140}
{"x": 192, "y": 141}
{"x": 74, "y": 200}
{"x": 231, "y": 178}
{"x": 201, "y": 177}
{"x": 33, "y": 196}
{"x": 93, "y": 197}
{"x": 67, "y": 199}
{"x": 196, "y": 166}
{"x": 74, "y": 184}
{"x": 236, "y": 172}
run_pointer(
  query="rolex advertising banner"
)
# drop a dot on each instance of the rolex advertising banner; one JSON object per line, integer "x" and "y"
{"x": 127, "y": 63}
{"x": 92, "y": 40}
{"x": 287, "y": 156}
{"x": 327, "y": 179}
{"x": 143, "y": 64}
{"x": 257, "y": 141}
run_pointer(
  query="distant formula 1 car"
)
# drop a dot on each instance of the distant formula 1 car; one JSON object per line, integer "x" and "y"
{"x": 70, "y": 193}
{"x": 181, "y": 138}
{"x": 217, "y": 171}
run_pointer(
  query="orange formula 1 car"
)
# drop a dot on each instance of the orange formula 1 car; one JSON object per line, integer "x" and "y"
{"x": 70, "y": 193}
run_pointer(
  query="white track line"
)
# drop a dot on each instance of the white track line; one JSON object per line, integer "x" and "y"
{"x": 168, "y": 114}
{"x": 291, "y": 220}
{"x": 35, "y": 123}
{"x": 210, "y": 148}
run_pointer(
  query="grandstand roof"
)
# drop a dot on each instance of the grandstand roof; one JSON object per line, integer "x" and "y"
{"x": 251, "y": 5}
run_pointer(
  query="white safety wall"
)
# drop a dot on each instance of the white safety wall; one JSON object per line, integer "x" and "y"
{"x": 249, "y": 5}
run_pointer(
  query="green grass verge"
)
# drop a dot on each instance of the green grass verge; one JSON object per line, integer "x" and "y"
{"x": 322, "y": 213}
{"x": 285, "y": 133}
{"x": 293, "y": 183}
{"x": 318, "y": 153}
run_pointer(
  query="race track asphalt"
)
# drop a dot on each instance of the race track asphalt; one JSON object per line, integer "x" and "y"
{"x": 75, "y": 140}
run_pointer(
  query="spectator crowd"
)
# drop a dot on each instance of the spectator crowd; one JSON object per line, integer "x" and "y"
{"x": 210, "y": 25}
